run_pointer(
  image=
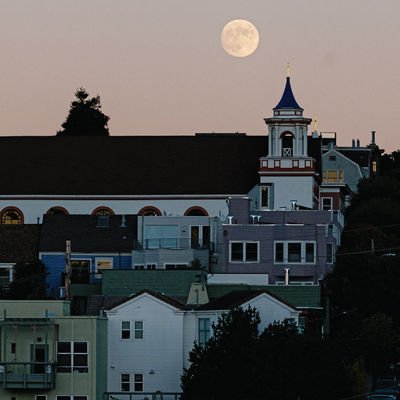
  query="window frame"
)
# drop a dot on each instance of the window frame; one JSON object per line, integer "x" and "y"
{"x": 324, "y": 207}
{"x": 244, "y": 257}
{"x": 303, "y": 252}
{"x": 203, "y": 333}
{"x": 123, "y": 382}
{"x": 17, "y": 211}
{"x": 71, "y": 396}
{"x": 136, "y": 330}
{"x": 269, "y": 196}
{"x": 138, "y": 382}
{"x": 98, "y": 260}
{"x": 125, "y": 330}
{"x": 72, "y": 353}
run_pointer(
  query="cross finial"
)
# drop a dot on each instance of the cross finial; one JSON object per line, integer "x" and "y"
{"x": 315, "y": 122}
{"x": 288, "y": 70}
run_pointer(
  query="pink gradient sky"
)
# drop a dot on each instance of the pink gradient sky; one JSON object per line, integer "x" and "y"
{"x": 160, "y": 69}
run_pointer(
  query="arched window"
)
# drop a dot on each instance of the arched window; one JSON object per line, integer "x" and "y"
{"x": 11, "y": 216}
{"x": 150, "y": 211}
{"x": 196, "y": 211}
{"x": 287, "y": 144}
{"x": 57, "y": 211}
{"x": 103, "y": 210}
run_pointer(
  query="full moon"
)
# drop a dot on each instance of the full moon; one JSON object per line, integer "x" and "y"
{"x": 239, "y": 38}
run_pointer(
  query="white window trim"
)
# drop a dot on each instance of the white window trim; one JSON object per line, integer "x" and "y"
{"x": 99, "y": 259}
{"x": 10, "y": 268}
{"x": 72, "y": 352}
{"x": 134, "y": 381}
{"x": 130, "y": 382}
{"x": 244, "y": 242}
{"x": 133, "y": 329}
{"x": 123, "y": 330}
{"x": 302, "y": 255}
{"x": 270, "y": 205}
{"x": 331, "y": 203}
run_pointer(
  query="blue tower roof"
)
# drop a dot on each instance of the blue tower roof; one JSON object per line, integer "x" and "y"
{"x": 288, "y": 100}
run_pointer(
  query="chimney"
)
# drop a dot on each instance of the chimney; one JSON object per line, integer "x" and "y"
{"x": 353, "y": 143}
{"x": 358, "y": 142}
{"x": 373, "y": 137}
{"x": 287, "y": 276}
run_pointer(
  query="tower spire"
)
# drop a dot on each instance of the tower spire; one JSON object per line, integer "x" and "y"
{"x": 288, "y": 70}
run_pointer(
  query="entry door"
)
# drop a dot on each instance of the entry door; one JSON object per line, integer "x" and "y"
{"x": 39, "y": 354}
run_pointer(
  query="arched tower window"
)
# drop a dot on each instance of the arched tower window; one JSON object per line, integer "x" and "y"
{"x": 57, "y": 211}
{"x": 11, "y": 216}
{"x": 287, "y": 144}
{"x": 150, "y": 211}
{"x": 103, "y": 210}
{"x": 196, "y": 211}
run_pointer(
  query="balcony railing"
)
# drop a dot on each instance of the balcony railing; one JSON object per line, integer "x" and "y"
{"x": 142, "y": 396}
{"x": 27, "y": 375}
{"x": 171, "y": 243}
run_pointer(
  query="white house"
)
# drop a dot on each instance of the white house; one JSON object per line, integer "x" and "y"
{"x": 150, "y": 336}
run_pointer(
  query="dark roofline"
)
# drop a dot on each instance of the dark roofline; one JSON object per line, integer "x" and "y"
{"x": 157, "y": 295}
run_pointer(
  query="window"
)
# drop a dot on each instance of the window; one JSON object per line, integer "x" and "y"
{"x": 57, "y": 211}
{"x": 13, "y": 348}
{"x": 332, "y": 158}
{"x": 204, "y": 331}
{"x": 327, "y": 203}
{"x": 103, "y": 211}
{"x": 41, "y": 397}
{"x": 266, "y": 196}
{"x": 80, "y": 270}
{"x": 244, "y": 251}
{"x": 329, "y": 253}
{"x": 138, "y": 266}
{"x": 103, "y": 221}
{"x": 175, "y": 266}
{"x": 138, "y": 329}
{"x": 333, "y": 176}
{"x": 196, "y": 211}
{"x": 71, "y": 397}
{"x": 125, "y": 383}
{"x": 11, "y": 216}
{"x": 72, "y": 356}
{"x": 125, "y": 330}
{"x": 161, "y": 236}
{"x": 374, "y": 168}
{"x": 138, "y": 382}
{"x": 6, "y": 275}
{"x": 151, "y": 266}
{"x": 103, "y": 263}
{"x": 150, "y": 211}
{"x": 295, "y": 253}
{"x": 199, "y": 236}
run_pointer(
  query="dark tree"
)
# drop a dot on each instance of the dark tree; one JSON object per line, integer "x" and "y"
{"x": 29, "y": 281}
{"x": 282, "y": 363}
{"x": 85, "y": 117}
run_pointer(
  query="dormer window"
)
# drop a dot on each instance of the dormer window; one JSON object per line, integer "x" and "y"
{"x": 11, "y": 216}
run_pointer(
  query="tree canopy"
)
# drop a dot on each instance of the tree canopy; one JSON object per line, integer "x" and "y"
{"x": 85, "y": 117}
{"x": 239, "y": 363}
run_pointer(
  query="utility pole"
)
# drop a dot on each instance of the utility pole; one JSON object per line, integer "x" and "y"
{"x": 68, "y": 270}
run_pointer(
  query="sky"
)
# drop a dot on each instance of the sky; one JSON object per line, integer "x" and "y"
{"x": 160, "y": 69}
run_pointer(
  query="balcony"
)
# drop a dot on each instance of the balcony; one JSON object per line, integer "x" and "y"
{"x": 172, "y": 243}
{"x": 27, "y": 375}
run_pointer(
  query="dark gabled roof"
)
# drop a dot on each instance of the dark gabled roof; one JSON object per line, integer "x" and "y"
{"x": 157, "y": 295}
{"x": 362, "y": 157}
{"x": 297, "y": 296}
{"x": 288, "y": 100}
{"x": 19, "y": 243}
{"x": 130, "y": 165}
{"x": 237, "y": 298}
{"x": 86, "y": 235}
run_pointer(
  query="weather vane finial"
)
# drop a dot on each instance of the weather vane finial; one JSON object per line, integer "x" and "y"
{"x": 315, "y": 122}
{"x": 288, "y": 70}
